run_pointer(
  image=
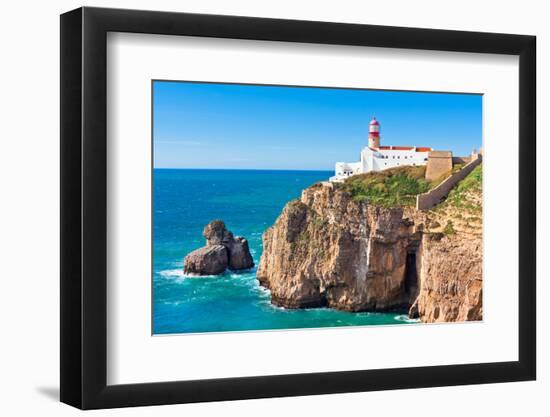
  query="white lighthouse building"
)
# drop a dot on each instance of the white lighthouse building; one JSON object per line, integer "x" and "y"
{"x": 375, "y": 157}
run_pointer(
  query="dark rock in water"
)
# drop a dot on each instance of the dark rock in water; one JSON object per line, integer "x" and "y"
{"x": 208, "y": 260}
{"x": 239, "y": 254}
{"x": 216, "y": 233}
{"x": 222, "y": 251}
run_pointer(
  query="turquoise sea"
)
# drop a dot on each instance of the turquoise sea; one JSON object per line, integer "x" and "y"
{"x": 248, "y": 201}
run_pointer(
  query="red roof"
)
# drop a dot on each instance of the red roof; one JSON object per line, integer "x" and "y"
{"x": 419, "y": 149}
{"x": 374, "y": 121}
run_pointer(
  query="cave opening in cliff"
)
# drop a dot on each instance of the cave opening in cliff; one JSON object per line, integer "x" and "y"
{"x": 411, "y": 275}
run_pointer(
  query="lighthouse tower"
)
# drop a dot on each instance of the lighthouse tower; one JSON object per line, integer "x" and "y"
{"x": 374, "y": 134}
{"x": 376, "y": 157}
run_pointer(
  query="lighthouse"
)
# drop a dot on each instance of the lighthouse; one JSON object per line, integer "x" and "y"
{"x": 376, "y": 157}
{"x": 374, "y": 134}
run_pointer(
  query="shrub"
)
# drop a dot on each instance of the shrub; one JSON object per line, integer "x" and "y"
{"x": 392, "y": 187}
{"x": 449, "y": 229}
{"x": 458, "y": 196}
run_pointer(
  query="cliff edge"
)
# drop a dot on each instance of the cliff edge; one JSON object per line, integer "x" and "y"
{"x": 335, "y": 247}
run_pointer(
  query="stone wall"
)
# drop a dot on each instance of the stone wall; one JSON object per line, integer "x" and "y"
{"x": 439, "y": 163}
{"x": 462, "y": 159}
{"x": 434, "y": 196}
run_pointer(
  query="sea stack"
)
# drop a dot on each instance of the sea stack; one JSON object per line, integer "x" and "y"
{"x": 222, "y": 251}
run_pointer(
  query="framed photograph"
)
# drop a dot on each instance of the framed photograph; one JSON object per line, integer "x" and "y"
{"x": 255, "y": 208}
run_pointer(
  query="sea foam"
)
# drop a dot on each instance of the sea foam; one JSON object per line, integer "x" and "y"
{"x": 169, "y": 273}
{"x": 406, "y": 319}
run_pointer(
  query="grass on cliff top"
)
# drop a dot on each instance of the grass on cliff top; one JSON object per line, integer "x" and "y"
{"x": 467, "y": 193}
{"x": 389, "y": 188}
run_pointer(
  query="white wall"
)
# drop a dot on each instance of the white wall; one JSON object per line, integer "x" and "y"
{"x": 29, "y": 209}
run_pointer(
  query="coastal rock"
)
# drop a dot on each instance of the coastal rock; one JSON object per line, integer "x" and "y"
{"x": 216, "y": 233}
{"x": 208, "y": 260}
{"x": 451, "y": 279}
{"x": 222, "y": 251}
{"x": 327, "y": 249}
{"x": 239, "y": 254}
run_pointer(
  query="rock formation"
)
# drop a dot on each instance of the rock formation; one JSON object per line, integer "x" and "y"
{"x": 208, "y": 260}
{"x": 327, "y": 249}
{"x": 222, "y": 251}
{"x": 451, "y": 279}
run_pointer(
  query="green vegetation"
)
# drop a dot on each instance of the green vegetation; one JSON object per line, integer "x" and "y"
{"x": 392, "y": 187}
{"x": 318, "y": 222}
{"x": 457, "y": 167}
{"x": 449, "y": 228}
{"x": 467, "y": 193}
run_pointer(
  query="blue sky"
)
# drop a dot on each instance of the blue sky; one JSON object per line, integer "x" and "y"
{"x": 200, "y": 125}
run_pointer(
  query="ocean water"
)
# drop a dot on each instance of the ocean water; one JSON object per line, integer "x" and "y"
{"x": 248, "y": 201}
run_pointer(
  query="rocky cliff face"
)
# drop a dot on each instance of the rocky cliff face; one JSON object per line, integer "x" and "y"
{"x": 328, "y": 250}
{"x": 450, "y": 279}
{"x": 451, "y": 275}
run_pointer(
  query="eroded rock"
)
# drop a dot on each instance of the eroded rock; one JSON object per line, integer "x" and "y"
{"x": 239, "y": 254}
{"x": 208, "y": 260}
{"x": 326, "y": 249}
{"x": 451, "y": 279}
{"x": 222, "y": 251}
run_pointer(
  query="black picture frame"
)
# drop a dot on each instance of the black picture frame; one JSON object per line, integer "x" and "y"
{"x": 84, "y": 207}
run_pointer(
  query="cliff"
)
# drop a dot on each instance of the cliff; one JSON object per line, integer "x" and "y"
{"x": 335, "y": 249}
{"x": 451, "y": 274}
{"x": 450, "y": 279}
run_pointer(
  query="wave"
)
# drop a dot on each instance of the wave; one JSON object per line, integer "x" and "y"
{"x": 405, "y": 318}
{"x": 172, "y": 303}
{"x": 262, "y": 289}
{"x": 178, "y": 274}
{"x": 169, "y": 273}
